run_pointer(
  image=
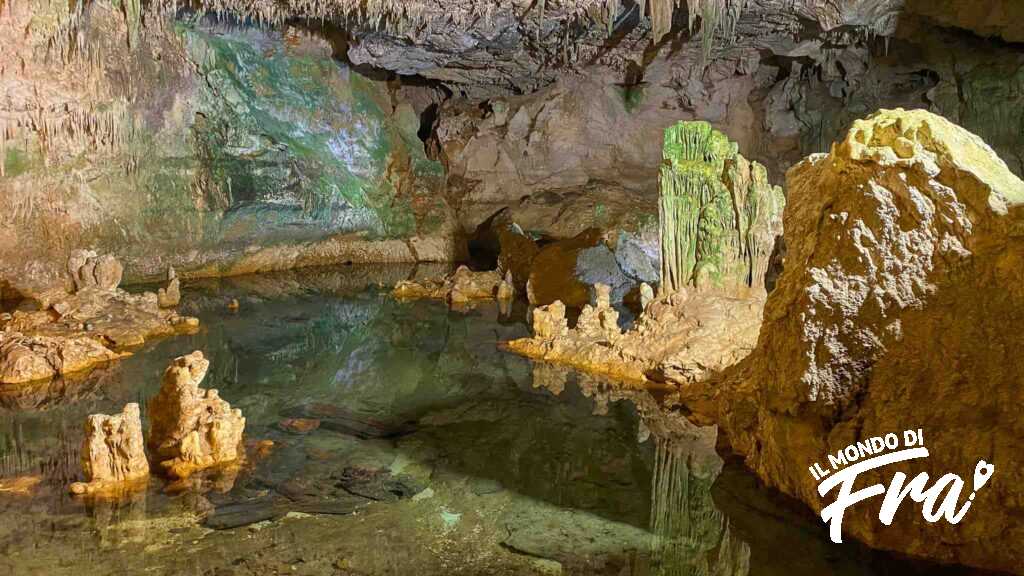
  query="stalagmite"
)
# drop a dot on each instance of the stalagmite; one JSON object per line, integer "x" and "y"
{"x": 113, "y": 458}
{"x": 191, "y": 428}
{"x": 718, "y": 214}
{"x": 170, "y": 295}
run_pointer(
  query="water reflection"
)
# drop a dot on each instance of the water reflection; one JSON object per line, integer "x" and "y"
{"x": 432, "y": 453}
{"x": 691, "y": 537}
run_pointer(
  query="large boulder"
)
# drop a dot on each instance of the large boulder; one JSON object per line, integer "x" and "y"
{"x": 900, "y": 307}
{"x": 565, "y": 270}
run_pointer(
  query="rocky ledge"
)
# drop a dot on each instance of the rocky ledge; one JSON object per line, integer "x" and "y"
{"x": 685, "y": 337}
{"x": 97, "y": 323}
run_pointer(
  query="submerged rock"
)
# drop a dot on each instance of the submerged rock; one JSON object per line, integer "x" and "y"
{"x": 113, "y": 456}
{"x": 192, "y": 428}
{"x": 378, "y": 484}
{"x": 900, "y": 308}
{"x": 345, "y": 421}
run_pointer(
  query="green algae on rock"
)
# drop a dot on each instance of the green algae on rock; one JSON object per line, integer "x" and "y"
{"x": 719, "y": 215}
{"x": 216, "y": 149}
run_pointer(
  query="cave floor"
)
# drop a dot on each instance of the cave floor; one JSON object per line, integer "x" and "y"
{"x": 388, "y": 437}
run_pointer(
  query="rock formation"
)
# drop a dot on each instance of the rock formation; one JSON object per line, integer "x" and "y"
{"x": 900, "y": 307}
{"x": 719, "y": 223}
{"x": 719, "y": 216}
{"x": 459, "y": 287}
{"x": 169, "y": 296}
{"x": 90, "y": 270}
{"x": 565, "y": 270}
{"x": 549, "y": 321}
{"x": 97, "y": 323}
{"x": 113, "y": 455}
{"x": 191, "y": 428}
{"x": 687, "y": 337}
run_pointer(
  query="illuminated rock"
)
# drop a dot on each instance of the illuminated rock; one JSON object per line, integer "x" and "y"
{"x": 113, "y": 457}
{"x": 191, "y": 428}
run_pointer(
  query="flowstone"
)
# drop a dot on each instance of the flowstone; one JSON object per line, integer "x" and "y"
{"x": 719, "y": 215}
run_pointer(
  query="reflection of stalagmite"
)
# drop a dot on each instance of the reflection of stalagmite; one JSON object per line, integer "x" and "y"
{"x": 691, "y": 536}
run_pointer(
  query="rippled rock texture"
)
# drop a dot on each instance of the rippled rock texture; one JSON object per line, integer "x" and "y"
{"x": 190, "y": 428}
{"x": 719, "y": 216}
{"x": 899, "y": 308}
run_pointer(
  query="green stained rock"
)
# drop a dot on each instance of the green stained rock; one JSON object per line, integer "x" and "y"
{"x": 719, "y": 215}
{"x": 300, "y": 133}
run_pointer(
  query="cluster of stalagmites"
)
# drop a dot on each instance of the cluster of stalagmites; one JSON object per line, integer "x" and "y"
{"x": 719, "y": 216}
{"x": 191, "y": 429}
{"x": 719, "y": 222}
{"x": 97, "y": 322}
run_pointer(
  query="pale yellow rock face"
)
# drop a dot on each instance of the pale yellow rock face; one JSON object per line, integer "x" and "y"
{"x": 113, "y": 458}
{"x": 900, "y": 307}
{"x": 191, "y": 428}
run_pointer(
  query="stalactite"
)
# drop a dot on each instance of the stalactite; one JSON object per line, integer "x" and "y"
{"x": 133, "y": 19}
{"x": 718, "y": 214}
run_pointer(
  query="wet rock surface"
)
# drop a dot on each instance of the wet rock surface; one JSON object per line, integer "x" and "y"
{"x": 684, "y": 339}
{"x": 459, "y": 287}
{"x": 97, "y": 323}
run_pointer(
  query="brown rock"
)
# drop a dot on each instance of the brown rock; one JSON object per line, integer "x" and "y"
{"x": 553, "y": 272}
{"x": 88, "y": 270}
{"x": 299, "y": 425}
{"x": 900, "y": 308}
{"x": 25, "y": 358}
{"x": 459, "y": 287}
{"x": 192, "y": 428}
{"x": 81, "y": 330}
{"x": 113, "y": 457}
{"x": 170, "y": 295}
{"x": 21, "y": 485}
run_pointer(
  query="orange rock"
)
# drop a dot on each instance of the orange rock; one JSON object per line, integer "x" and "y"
{"x": 299, "y": 425}
{"x": 113, "y": 457}
{"x": 192, "y": 428}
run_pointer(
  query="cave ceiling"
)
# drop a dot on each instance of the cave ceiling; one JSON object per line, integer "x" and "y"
{"x": 487, "y": 47}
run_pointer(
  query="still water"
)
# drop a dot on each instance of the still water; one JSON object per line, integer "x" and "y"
{"x": 433, "y": 452}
